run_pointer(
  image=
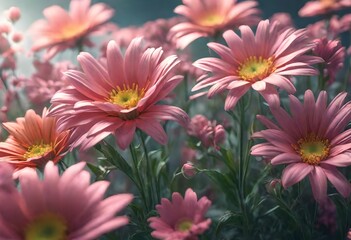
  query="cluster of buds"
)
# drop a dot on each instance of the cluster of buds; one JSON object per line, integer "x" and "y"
{"x": 208, "y": 132}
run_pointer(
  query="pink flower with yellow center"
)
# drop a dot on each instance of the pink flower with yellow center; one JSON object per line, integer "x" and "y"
{"x": 119, "y": 95}
{"x": 209, "y": 17}
{"x": 318, "y": 7}
{"x": 262, "y": 61}
{"x": 34, "y": 140}
{"x": 57, "y": 207}
{"x": 62, "y": 29}
{"x": 181, "y": 219}
{"x": 312, "y": 141}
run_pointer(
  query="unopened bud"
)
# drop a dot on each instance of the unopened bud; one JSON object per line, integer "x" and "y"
{"x": 189, "y": 170}
{"x": 13, "y": 14}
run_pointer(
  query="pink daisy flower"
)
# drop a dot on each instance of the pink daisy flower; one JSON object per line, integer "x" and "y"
{"x": 118, "y": 96}
{"x": 263, "y": 61}
{"x": 181, "y": 219}
{"x": 311, "y": 141}
{"x": 34, "y": 140}
{"x": 208, "y": 17}
{"x": 62, "y": 29}
{"x": 318, "y": 7}
{"x": 58, "y": 207}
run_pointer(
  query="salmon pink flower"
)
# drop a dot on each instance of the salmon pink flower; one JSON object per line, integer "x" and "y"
{"x": 311, "y": 141}
{"x": 263, "y": 61}
{"x": 318, "y": 7}
{"x": 118, "y": 95}
{"x": 181, "y": 219}
{"x": 34, "y": 140}
{"x": 57, "y": 207}
{"x": 62, "y": 29}
{"x": 209, "y": 17}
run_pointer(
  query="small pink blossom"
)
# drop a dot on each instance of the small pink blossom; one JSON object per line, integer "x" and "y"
{"x": 68, "y": 205}
{"x": 311, "y": 141}
{"x": 181, "y": 219}
{"x": 189, "y": 170}
{"x": 209, "y": 133}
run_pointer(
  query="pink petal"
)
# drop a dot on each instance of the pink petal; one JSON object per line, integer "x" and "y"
{"x": 294, "y": 173}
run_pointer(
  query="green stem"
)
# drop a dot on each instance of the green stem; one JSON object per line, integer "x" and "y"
{"x": 140, "y": 184}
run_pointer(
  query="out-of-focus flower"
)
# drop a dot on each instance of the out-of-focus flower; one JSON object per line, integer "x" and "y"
{"x": 5, "y": 27}
{"x": 62, "y": 29}
{"x": 58, "y": 207}
{"x": 47, "y": 80}
{"x": 318, "y": 7}
{"x": 311, "y": 141}
{"x": 181, "y": 219}
{"x": 331, "y": 30}
{"x": 17, "y": 37}
{"x": 187, "y": 155}
{"x": 262, "y": 62}
{"x": 209, "y": 133}
{"x": 34, "y": 140}
{"x": 283, "y": 20}
{"x": 333, "y": 54}
{"x": 118, "y": 96}
{"x": 13, "y": 14}
{"x": 327, "y": 216}
{"x": 210, "y": 17}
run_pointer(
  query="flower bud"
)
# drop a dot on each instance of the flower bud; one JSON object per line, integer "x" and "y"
{"x": 13, "y": 14}
{"x": 189, "y": 170}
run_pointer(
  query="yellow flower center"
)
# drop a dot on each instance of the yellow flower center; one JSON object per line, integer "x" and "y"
{"x": 126, "y": 97}
{"x": 46, "y": 227}
{"x": 72, "y": 30}
{"x": 37, "y": 150}
{"x": 255, "y": 68}
{"x": 184, "y": 225}
{"x": 211, "y": 19}
{"x": 312, "y": 149}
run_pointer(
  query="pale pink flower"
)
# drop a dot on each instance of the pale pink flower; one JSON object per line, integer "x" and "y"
{"x": 33, "y": 141}
{"x": 5, "y": 27}
{"x": 62, "y": 29}
{"x": 189, "y": 170}
{"x": 208, "y": 132}
{"x": 46, "y": 81}
{"x": 13, "y": 14}
{"x": 282, "y": 19}
{"x": 331, "y": 30}
{"x": 16, "y": 37}
{"x": 187, "y": 155}
{"x": 118, "y": 96}
{"x": 181, "y": 219}
{"x": 210, "y": 17}
{"x": 333, "y": 54}
{"x": 58, "y": 207}
{"x": 318, "y": 7}
{"x": 312, "y": 141}
{"x": 263, "y": 62}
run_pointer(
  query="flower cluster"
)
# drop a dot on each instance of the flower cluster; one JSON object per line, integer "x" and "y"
{"x": 94, "y": 121}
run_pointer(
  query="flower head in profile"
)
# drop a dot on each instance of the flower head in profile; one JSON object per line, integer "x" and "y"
{"x": 181, "y": 219}
{"x": 333, "y": 54}
{"x": 58, "y": 207}
{"x": 319, "y": 7}
{"x": 262, "y": 61}
{"x": 118, "y": 96}
{"x": 209, "y": 17}
{"x": 33, "y": 141}
{"x": 312, "y": 141}
{"x": 61, "y": 29}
